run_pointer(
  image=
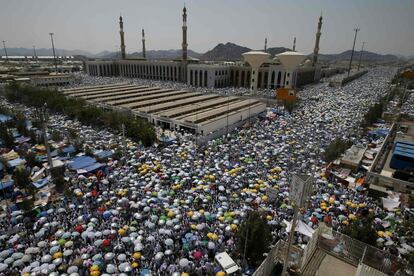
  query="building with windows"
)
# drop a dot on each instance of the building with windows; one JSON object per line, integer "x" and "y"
{"x": 206, "y": 115}
{"x": 204, "y": 73}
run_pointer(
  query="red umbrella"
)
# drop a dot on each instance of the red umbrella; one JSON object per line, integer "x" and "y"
{"x": 101, "y": 209}
{"x": 314, "y": 220}
{"x": 197, "y": 255}
{"x": 327, "y": 219}
{"x": 94, "y": 193}
{"x": 106, "y": 242}
{"x": 79, "y": 228}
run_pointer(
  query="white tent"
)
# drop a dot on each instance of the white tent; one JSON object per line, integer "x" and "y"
{"x": 301, "y": 227}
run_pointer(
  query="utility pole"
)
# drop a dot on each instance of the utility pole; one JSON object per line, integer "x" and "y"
{"x": 123, "y": 140}
{"x": 5, "y": 50}
{"x": 291, "y": 235}
{"x": 245, "y": 239}
{"x": 54, "y": 53}
{"x": 228, "y": 105}
{"x": 34, "y": 53}
{"x": 294, "y": 44}
{"x": 43, "y": 119}
{"x": 360, "y": 55}
{"x": 300, "y": 189}
{"x": 353, "y": 48}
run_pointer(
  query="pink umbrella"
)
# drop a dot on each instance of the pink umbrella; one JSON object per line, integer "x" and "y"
{"x": 197, "y": 255}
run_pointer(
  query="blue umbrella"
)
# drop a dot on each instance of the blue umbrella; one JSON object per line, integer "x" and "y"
{"x": 145, "y": 272}
{"x": 106, "y": 214}
{"x": 43, "y": 214}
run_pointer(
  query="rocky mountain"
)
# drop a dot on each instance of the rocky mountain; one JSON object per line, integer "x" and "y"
{"x": 228, "y": 51}
{"x": 44, "y": 52}
{"x": 277, "y": 50}
{"x": 151, "y": 54}
{"x": 366, "y": 55}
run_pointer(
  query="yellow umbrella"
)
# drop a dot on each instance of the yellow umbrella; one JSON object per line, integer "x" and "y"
{"x": 135, "y": 264}
{"x": 95, "y": 273}
{"x": 137, "y": 255}
{"x": 121, "y": 232}
{"x": 220, "y": 273}
{"x": 184, "y": 274}
{"x": 94, "y": 268}
{"x": 57, "y": 255}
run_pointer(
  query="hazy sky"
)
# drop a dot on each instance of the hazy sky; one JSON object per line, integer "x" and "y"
{"x": 92, "y": 25}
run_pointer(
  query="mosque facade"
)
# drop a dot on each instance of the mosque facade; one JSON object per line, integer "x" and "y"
{"x": 196, "y": 73}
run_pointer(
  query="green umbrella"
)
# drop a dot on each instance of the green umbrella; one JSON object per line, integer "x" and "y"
{"x": 62, "y": 242}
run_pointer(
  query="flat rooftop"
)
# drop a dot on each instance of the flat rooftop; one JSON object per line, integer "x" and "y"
{"x": 170, "y": 106}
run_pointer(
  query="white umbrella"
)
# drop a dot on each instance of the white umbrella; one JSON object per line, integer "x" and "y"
{"x": 169, "y": 242}
{"x": 125, "y": 267}
{"x": 67, "y": 252}
{"x": 109, "y": 256}
{"x": 72, "y": 269}
{"x": 183, "y": 262}
{"x": 26, "y": 258}
{"x": 159, "y": 256}
{"x": 57, "y": 261}
{"x": 17, "y": 263}
{"x": 110, "y": 268}
{"x": 121, "y": 257}
{"x": 46, "y": 258}
{"x": 3, "y": 267}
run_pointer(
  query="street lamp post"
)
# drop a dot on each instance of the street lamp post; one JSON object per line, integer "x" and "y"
{"x": 353, "y": 48}
{"x": 5, "y": 50}
{"x": 54, "y": 53}
{"x": 34, "y": 53}
{"x": 300, "y": 189}
{"x": 360, "y": 55}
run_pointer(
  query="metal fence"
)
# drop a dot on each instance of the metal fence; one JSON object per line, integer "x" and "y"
{"x": 340, "y": 246}
{"x": 277, "y": 254}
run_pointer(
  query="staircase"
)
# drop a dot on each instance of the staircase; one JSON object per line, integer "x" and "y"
{"x": 314, "y": 262}
{"x": 365, "y": 270}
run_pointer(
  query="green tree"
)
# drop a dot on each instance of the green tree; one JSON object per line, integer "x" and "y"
{"x": 58, "y": 179}
{"x": 289, "y": 105}
{"x": 88, "y": 151}
{"x": 72, "y": 134}
{"x": 30, "y": 158}
{"x": 56, "y": 136}
{"x": 6, "y": 136}
{"x": 362, "y": 230}
{"x": 335, "y": 149}
{"x": 258, "y": 235}
{"x": 21, "y": 178}
{"x": 27, "y": 204}
{"x": 75, "y": 108}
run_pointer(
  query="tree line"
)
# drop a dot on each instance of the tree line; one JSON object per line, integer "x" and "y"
{"x": 136, "y": 129}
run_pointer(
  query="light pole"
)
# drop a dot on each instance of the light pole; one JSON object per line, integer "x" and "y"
{"x": 228, "y": 106}
{"x": 43, "y": 120}
{"x": 34, "y": 53}
{"x": 360, "y": 55}
{"x": 54, "y": 53}
{"x": 353, "y": 48}
{"x": 300, "y": 189}
{"x": 5, "y": 50}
